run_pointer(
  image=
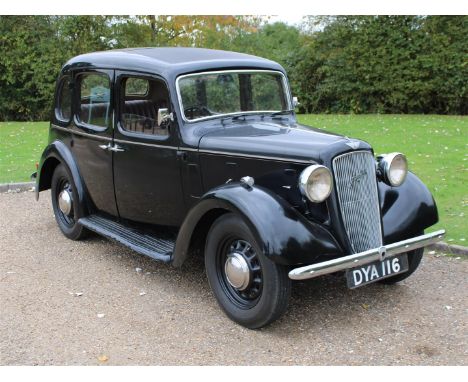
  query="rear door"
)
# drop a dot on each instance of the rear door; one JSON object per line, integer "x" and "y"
{"x": 92, "y": 133}
{"x": 146, "y": 163}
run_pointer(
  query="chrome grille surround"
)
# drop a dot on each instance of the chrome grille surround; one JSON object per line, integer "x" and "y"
{"x": 356, "y": 187}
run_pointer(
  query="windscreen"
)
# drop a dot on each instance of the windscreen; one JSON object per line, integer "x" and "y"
{"x": 231, "y": 92}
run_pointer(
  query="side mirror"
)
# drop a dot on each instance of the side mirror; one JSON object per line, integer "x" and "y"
{"x": 164, "y": 116}
{"x": 295, "y": 102}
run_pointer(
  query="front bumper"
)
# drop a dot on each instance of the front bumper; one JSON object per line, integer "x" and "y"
{"x": 363, "y": 258}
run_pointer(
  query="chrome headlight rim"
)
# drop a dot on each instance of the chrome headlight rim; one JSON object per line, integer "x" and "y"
{"x": 305, "y": 178}
{"x": 385, "y": 165}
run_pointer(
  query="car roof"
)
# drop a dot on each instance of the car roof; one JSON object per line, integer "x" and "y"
{"x": 170, "y": 62}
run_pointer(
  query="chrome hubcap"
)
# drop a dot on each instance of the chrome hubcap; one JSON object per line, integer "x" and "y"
{"x": 65, "y": 202}
{"x": 237, "y": 271}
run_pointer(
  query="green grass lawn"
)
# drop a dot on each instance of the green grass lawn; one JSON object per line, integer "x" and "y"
{"x": 436, "y": 147}
{"x": 437, "y": 150}
{"x": 21, "y": 145}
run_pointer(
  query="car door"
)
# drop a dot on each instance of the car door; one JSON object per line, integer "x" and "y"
{"x": 93, "y": 133}
{"x": 147, "y": 177}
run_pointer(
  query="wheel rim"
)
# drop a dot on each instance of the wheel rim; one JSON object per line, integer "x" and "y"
{"x": 239, "y": 272}
{"x": 64, "y": 198}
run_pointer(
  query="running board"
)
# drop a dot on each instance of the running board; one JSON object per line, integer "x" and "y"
{"x": 157, "y": 248}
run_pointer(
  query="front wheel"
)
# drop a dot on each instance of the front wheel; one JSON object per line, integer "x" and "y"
{"x": 251, "y": 289}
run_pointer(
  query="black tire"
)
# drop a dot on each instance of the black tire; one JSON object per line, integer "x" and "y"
{"x": 414, "y": 259}
{"x": 267, "y": 296}
{"x": 68, "y": 223}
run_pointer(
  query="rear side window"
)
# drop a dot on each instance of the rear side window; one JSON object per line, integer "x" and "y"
{"x": 64, "y": 97}
{"x": 94, "y": 108}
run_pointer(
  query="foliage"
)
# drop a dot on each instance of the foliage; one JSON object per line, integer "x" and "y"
{"x": 346, "y": 64}
{"x": 32, "y": 50}
{"x": 386, "y": 64}
{"x": 434, "y": 145}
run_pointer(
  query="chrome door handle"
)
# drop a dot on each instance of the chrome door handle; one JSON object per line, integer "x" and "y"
{"x": 116, "y": 148}
{"x": 105, "y": 147}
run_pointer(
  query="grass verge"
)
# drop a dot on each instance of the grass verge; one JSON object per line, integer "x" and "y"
{"x": 436, "y": 147}
{"x": 437, "y": 150}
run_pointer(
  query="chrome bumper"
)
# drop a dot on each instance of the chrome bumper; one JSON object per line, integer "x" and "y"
{"x": 362, "y": 258}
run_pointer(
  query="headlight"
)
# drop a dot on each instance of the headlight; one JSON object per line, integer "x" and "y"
{"x": 393, "y": 168}
{"x": 316, "y": 183}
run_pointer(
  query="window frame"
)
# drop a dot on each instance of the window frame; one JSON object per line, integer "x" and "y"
{"x": 120, "y": 100}
{"x": 77, "y": 98}
{"x": 286, "y": 87}
{"x": 58, "y": 98}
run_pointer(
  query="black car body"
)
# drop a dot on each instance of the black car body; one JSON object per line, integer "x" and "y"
{"x": 127, "y": 159}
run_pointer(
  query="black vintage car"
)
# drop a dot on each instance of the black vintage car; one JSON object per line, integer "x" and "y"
{"x": 179, "y": 151}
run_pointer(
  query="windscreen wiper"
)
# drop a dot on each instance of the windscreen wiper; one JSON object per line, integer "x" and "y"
{"x": 282, "y": 112}
{"x": 236, "y": 117}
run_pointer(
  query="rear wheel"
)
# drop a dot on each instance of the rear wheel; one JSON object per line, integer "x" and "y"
{"x": 64, "y": 203}
{"x": 251, "y": 289}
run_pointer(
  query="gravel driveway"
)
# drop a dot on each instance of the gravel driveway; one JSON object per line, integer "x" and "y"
{"x": 96, "y": 302}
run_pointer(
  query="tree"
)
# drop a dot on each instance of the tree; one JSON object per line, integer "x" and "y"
{"x": 346, "y": 64}
{"x": 385, "y": 64}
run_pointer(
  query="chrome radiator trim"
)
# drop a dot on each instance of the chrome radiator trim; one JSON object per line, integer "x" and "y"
{"x": 356, "y": 187}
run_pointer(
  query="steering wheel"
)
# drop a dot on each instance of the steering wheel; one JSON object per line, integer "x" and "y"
{"x": 198, "y": 111}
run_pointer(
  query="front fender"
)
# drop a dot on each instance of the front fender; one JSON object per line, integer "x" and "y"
{"x": 55, "y": 153}
{"x": 406, "y": 210}
{"x": 284, "y": 235}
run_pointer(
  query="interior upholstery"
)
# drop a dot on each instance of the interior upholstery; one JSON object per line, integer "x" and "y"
{"x": 141, "y": 115}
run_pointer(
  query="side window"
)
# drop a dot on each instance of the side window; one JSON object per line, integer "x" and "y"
{"x": 63, "y": 102}
{"x": 94, "y": 107}
{"x": 136, "y": 87}
{"x": 144, "y": 103}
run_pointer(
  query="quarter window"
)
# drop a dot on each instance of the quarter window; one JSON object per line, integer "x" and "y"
{"x": 63, "y": 106}
{"x": 94, "y": 108}
{"x": 144, "y": 106}
{"x": 136, "y": 87}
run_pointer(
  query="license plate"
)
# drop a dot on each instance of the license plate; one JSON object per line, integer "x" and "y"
{"x": 377, "y": 270}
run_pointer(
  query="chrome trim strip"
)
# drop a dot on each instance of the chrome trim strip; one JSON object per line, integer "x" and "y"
{"x": 366, "y": 257}
{"x": 72, "y": 131}
{"x": 287, "y": 92}
{"x": 98, "y": 137}
{"x": 145, "y": 144}
{"x": 254, "y": 156}
{"x": 214, "y": 152}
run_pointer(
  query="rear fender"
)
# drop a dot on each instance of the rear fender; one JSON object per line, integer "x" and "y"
{"x": 54, "y": 154}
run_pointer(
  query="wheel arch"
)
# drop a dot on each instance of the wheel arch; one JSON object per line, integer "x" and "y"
{"x": 199, "y": 234}
{"x": 284, "y": 235}
{"x": 55, "y": 154}
{"x": 46, "y": 173}
{"x": 407, "y": 210}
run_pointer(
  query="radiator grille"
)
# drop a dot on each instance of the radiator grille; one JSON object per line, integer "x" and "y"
{"x": 356, "y": 186}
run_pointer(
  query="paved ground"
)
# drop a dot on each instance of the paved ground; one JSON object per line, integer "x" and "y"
{"x": 167, "y": 316}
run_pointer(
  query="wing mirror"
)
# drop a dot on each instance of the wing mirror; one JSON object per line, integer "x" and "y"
{"x": 295, "y": 102}
{"x": 164, "y": 117}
